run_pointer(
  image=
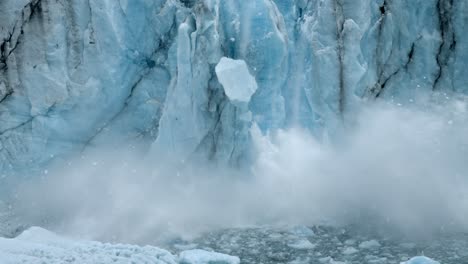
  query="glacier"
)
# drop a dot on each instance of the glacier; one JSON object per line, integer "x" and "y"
{"x": 78, "y": 75}
{"x": 185, "y": 82}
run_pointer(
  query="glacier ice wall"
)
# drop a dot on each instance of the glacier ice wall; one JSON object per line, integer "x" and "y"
{"x": 76, "y": 74}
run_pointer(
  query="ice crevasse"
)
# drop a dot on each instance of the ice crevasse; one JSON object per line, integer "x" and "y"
{"x": 76, "y": 75}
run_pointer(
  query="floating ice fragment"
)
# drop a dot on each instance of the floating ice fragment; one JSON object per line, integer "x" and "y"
{"x": 198, "y": 256}
{"x": 330, "y": 260}
{"x": 302, "y": 231}
{"x": 302, "y": 244}
{"x": 371, "y": 244}
{"x": 420, "y": 260}
{"x": 350, "y": 251}
{"x": 186, "y": 246}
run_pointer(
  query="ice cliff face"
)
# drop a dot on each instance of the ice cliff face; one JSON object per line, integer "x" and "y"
{"x": 78, "y": 74}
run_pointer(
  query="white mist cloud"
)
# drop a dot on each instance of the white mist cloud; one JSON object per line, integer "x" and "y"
{"x": 398, "y": 168}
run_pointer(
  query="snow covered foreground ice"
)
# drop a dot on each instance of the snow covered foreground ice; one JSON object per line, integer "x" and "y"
{"x": 420, "y": 260}
{"x": 39, "y": 246}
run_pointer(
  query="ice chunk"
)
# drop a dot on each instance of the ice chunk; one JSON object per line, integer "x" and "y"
{"x": 371, "y": 244}
{"x": 302, "y": 231}
{"x": 198, "y": 256}
{"x": 420, "y": 260}
{"x": 330, "y": 260}
{"x": 239, "y": 85}
{"x": 350, "y": 251}
{"x": 302, "y": 244}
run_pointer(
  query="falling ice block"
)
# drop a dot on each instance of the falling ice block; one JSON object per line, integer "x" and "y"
{"x": 239, "y": 85}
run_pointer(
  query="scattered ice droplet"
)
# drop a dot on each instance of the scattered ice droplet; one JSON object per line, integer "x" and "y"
{"x": 46, "y": 172}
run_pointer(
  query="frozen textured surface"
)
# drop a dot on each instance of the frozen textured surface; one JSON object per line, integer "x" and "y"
{"x": 37, "y": 245}
{"x": 81, "y": 74}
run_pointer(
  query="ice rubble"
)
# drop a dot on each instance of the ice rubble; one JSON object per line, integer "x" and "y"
{"x": 80, "y": 74}
{"x": 37, "y": 245}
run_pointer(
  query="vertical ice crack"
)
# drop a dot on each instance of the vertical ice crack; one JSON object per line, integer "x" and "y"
{"x": 405, "y": 67}
{"x": 11, "y": 42}
{"x": 8, "y": 45}
{"x": 378, "y": 87}
{"x": 340, "y": 22}
{"x": 448, "y": 40}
